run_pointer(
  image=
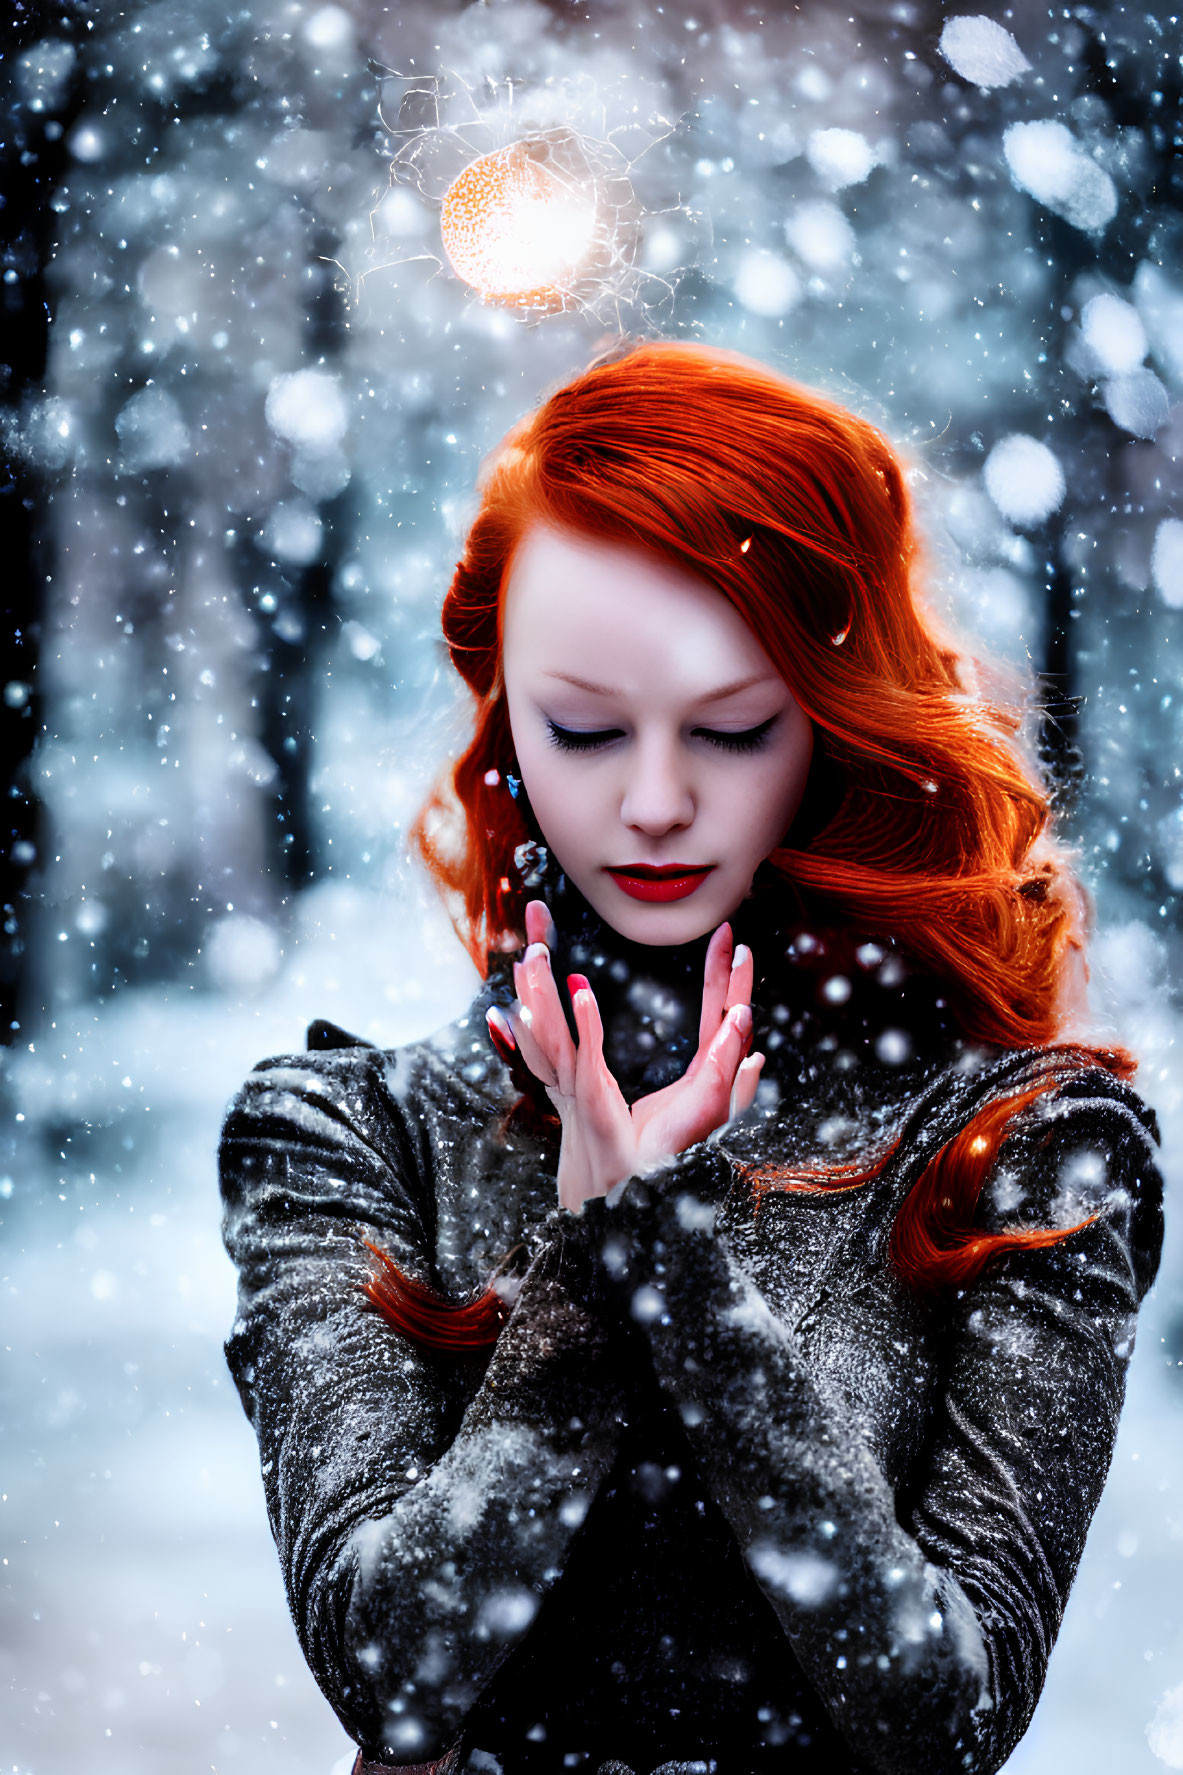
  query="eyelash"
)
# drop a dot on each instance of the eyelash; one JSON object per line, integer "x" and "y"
{"x": 568, "y": 739}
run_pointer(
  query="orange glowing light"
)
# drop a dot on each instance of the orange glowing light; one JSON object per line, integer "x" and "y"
{"x": 515, "y": 230}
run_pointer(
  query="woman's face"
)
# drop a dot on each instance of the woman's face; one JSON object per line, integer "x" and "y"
{"x": 663, "y": 754}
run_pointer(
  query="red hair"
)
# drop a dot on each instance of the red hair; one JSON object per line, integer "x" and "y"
{"x": 798, "y": 512}
{"x": 419, "y": 1313}
{"x": 934, "y": 1243}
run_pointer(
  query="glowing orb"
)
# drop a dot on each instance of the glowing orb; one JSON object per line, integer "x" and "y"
{"x": 517, "y": 230}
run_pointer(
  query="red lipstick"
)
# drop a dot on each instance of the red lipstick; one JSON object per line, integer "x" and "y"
{"x": 669, "y": 881}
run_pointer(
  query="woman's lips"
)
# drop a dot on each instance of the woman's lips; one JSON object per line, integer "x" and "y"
{"x": 672, "y": 882}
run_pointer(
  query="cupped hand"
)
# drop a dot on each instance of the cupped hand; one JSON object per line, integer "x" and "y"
{"x": 603, "y": 1140}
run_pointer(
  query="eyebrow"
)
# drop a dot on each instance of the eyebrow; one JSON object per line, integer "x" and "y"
{"x": 711, "y": 696}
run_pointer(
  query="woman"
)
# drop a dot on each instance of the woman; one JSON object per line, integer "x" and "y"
{"x": 781, "y": 1453}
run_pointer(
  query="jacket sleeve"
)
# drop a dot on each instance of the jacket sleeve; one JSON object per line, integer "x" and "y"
{"x": 925, "y": 1622}
{"x": 420, "y": 1512}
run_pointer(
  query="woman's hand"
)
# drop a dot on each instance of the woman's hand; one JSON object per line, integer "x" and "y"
{"x": 603, "y": 1141}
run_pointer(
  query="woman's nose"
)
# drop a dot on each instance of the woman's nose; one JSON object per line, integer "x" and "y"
{"x": 658, "y": 796}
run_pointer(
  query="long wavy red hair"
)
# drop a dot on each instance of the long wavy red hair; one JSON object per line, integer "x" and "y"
{"x": 798, "y": 512}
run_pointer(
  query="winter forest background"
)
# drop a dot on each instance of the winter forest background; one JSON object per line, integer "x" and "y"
{"x": 246, "y": 402}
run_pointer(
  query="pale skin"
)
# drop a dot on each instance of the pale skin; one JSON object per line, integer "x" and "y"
{"x": 651, "y": 729}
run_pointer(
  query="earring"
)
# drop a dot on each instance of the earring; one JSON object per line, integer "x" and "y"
{"x": 532, "y": 862}
{"x": 531, "y": 859}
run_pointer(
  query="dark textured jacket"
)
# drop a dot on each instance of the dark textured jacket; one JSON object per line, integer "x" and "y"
{"x": 726, "y": 1495}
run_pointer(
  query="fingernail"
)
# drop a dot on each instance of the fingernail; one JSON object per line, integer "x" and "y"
{"x": 743, "y": 1018}
{"x": 742, "y": 954}
{"x": 578, "y": 983}
{"x": 534, "y": 950}
{"x": 500, "y": 1033}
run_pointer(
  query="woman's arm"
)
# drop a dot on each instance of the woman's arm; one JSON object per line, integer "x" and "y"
{"x": 419, "y": 1514}
{"x": 927, "y": 1637}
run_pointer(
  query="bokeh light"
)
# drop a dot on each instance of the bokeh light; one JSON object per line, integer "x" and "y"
{"x": 516, "y": 229}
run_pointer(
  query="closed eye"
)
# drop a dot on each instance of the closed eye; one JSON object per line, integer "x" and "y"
{"x": 572, "y": 739}
{"x": 749, "y": 740}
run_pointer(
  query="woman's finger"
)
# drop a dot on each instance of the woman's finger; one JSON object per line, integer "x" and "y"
{"x": 727, "y": 983}
{"x": 747, "y": 1079}
{"x": 607, "y": 1134}
{"x": 726, "y": 1052}
{"x": 500, "y": 1033}
{"x": 600, "y": 1104}
{"x": 537, "y": 990}
{"x": 715, "y": 982}
{"x": 520, "y": 1022}
{"x": 739, "y": 985}
{"x": 540, "y": 926}
{"x": 589, "y": 1058}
